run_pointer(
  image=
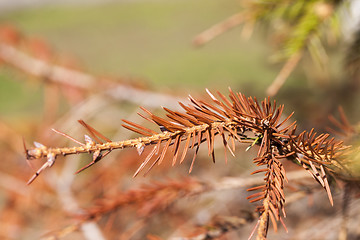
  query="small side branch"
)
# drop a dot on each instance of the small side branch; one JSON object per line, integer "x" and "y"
{"x": 284, "y": 73}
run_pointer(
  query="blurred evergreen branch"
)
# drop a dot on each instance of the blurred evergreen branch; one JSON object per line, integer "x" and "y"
{"x": 297, "y": 26}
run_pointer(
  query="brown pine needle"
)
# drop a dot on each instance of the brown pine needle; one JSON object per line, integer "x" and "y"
{"x": 95, "y": 134}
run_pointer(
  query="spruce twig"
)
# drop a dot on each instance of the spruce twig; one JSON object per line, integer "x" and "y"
{"x": 238, "y": 118}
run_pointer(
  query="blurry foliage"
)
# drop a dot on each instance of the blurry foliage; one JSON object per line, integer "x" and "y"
{"x": 296, "y": 26}
{"x": 150, "y": 42}
{"x": 297, "y": 21}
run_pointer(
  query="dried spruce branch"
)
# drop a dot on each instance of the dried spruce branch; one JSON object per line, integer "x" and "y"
{"x": 237, "y": 119}
{"x": 155, "y": 197}
{"x": 148, "y": 199}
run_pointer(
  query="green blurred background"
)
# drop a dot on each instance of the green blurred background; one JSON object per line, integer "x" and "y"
{"x": 145, "y": 39}
{"x": 152, "y": 40}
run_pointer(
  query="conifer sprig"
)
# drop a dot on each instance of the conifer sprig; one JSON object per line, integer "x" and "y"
{"x": 234, "y": 119}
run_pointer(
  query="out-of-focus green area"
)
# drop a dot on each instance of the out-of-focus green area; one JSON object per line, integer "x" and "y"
{"x": 150, "y": 40}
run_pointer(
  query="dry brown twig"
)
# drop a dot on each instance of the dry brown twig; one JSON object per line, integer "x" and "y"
{"x": 239, "y": 119}
{"x": 284, "y": 73}
{"x": 148, "y": 199}
{"x": 219, "y": 29}
{"x": 156, "y": 197}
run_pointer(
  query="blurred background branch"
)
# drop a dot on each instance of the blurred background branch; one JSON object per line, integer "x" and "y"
{"x": 246, "y": 45}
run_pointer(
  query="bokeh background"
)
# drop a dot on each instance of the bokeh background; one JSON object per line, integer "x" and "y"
{"x": 146, "y": 45}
